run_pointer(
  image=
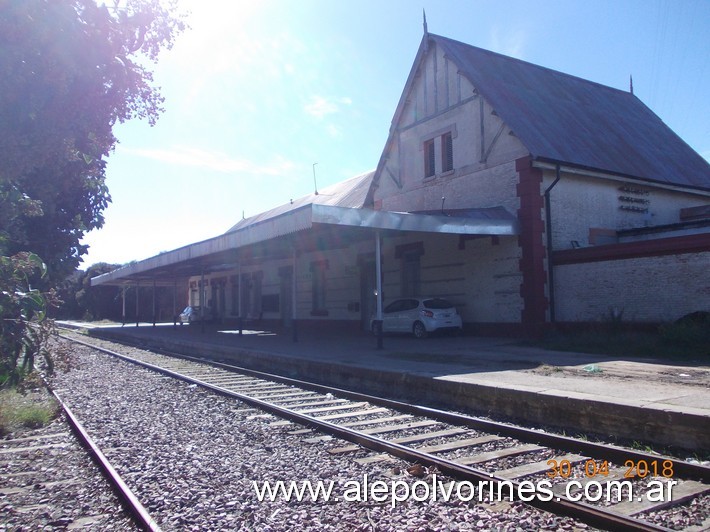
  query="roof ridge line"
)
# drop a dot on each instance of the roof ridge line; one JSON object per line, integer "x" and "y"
{"x": 529, "y": 63}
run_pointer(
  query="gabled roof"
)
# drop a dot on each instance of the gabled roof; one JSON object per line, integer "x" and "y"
{"x": 564, "y": 119}
{"x": 349, "y": 193}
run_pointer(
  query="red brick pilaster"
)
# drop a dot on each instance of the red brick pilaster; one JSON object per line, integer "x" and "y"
{"x": 532, "y": 262}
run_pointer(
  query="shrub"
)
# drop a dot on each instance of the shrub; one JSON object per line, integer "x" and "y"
{"x": 24, "y": 327}
{"x": 691, "y": 332}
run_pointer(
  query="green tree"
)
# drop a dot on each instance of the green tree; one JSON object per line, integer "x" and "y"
{"x": 23, "y": 325}
{"x": 98, "y": 302}
{"x": 72, "y": 69}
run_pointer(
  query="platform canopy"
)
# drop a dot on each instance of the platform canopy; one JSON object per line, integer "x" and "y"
{"x": 306, "y": 228}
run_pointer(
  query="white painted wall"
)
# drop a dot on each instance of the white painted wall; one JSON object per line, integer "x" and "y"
{"x": 580, "y": 203}
{"x": 441, "y": 100}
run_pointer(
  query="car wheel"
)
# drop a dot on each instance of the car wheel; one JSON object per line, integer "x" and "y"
{"x": 419, "y": 330}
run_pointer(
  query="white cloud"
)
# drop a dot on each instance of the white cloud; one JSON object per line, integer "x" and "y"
{"x": 208, "y": 160}
{"x": 319, "y": 107}
{"x": 333, "y": 130}
{"x": 511, "y": 42}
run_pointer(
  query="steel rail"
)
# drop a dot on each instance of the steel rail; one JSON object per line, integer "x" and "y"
{"x": 594, "y": 516}
{"x": 688, "y": 470}
{"x": 140, "y": 515}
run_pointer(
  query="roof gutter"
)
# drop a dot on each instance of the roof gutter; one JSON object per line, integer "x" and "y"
{"x": 587, "y": 172}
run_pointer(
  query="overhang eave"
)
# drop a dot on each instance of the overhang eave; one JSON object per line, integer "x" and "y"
{"x": 222, "y": 253}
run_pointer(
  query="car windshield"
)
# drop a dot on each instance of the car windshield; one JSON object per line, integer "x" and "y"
{"x": 187, "y": 309}
{"x": 437, "y": 304}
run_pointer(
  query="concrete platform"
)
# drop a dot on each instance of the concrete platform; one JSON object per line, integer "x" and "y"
{"x": 633, "y": 399}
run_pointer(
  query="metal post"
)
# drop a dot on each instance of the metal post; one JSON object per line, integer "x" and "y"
{"x": 202, "y": 300}
{"x": 123, "y": 306}
{"x": 174, "y": 303}
{"x": 153, "y": 302}
{"x": 240, "y": 320}
{"x": 378, "y": 282}
{"x": 137, "y": 306}
{"x": 294, "y": 314}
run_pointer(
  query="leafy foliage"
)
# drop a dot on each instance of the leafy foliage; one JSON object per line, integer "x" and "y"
{"x": 72, "y": 69}
{"x": 82, "y": 301}
{"x": 95, "y": 302}
{"x": 24, "y": 327}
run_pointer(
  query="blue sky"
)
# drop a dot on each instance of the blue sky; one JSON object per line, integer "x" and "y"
{"x": 258, "y": 91}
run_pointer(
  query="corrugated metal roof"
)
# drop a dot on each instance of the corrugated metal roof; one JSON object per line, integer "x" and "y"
{"x": 218, "y": 254}
{"x": 195, "y": 254}
{"x": 495, "y": 221}
{"x": 349, "y": 193}
{"x": 481, "y": 214}
{"x": 566, "y": 119}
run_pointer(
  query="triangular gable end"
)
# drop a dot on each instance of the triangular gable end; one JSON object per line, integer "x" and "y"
{"x": 570, "y": 120}
{"x": 437, "y": 85}
{"x": 557, "y": 117}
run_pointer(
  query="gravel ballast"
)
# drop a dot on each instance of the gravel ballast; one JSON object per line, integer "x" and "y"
{"x": 192, "y": 457}
{"x": 49, "y": 482}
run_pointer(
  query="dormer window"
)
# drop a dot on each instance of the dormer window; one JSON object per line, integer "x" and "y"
{"x": 441, "y": 146}
{"x": 429, "y": 159}
{"x": 447, "y": 152}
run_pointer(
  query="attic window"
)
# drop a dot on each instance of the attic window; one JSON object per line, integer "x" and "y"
{"x": 429, "y": 159}
{"x": 447, "y": 152}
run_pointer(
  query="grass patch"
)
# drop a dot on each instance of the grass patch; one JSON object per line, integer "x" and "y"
{"x": 25, "y": 409}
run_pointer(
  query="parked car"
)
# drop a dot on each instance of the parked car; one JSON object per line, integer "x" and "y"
{"x": 419, "y": 316}
{"x": 194, "y": 314}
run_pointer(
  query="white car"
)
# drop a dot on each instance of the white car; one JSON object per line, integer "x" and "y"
{"x": 419, "y": 316}
{"x": 194, "y": 314}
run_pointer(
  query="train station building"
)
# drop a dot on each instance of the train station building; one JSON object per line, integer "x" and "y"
{"x": 523, "y": 195}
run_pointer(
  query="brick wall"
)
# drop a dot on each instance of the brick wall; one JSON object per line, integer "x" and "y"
{"x": 580, "y": 203}
{"x": 646, "y": 289}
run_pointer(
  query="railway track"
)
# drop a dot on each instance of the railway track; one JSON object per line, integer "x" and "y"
{"x": 44, "y": 470}
{"x": 558, "y": 474}
{"x": 130, "y": 502}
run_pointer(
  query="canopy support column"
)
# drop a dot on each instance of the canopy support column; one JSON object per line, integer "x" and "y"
{"x": 202, "y": 300}
{"x": 294, "y": 313}
{"x": 240, "y": 319}
{"x": 153, "y": 302}
{"x": 123, "y": 305}
{"x": 378, "y": 275}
